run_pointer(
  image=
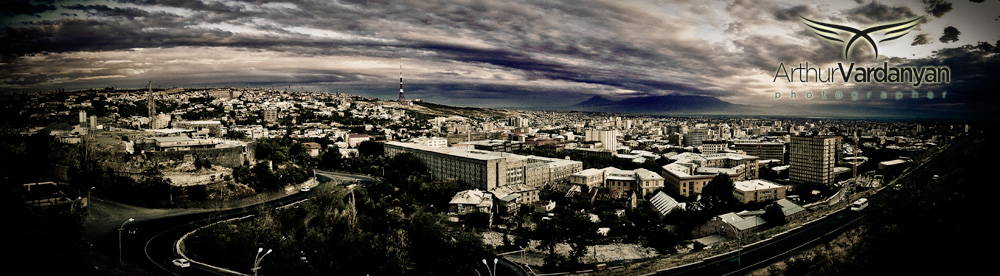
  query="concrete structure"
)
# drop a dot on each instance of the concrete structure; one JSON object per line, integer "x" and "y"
{"x": 182, "y": 148}
{"x": 608, "y": 138}
{"x": 486, "y": 170}
{"x": 271, "y": 114}
{"x": 434, "y": 142}
{"x": 203, "y": 128}
{"x": 714, "y": 146}
{"x": 498, "y": 145}
{"x": 763, "y": 150}
{"x": 757, "y": 190}
{"x": 812, "y": 159}
{"x": 618, "y": 181}
{"x": 694, "y": 137}
{"x": 253, "y": 132}
{"x": 353, "y": 140}
{"x": 690, "y": 172}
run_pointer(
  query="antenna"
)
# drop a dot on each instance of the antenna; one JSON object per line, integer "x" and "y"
{"x": 401, "y": 97}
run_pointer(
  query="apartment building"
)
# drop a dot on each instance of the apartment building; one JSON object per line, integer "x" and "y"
{"x": 812, "y": 159}
{"x": 757, "y": 190}
{"x": 486, "y": 170}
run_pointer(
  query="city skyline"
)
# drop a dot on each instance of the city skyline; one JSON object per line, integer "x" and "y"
{"x": 523, "y": 55}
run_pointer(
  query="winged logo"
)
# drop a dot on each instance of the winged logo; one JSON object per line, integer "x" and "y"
{"x": 832, "y": 32}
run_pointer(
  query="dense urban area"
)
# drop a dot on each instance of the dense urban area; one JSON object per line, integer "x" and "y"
{"x": 428, "y": 189}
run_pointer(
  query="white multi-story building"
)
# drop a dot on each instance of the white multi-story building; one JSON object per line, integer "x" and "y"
{"x": 608, "y": 138}
{"x": 757, "y": 190}
{"x": 486, "y": 170}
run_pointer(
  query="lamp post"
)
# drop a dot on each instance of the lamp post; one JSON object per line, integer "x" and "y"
{"x": 739, "y": 248}
{"x": 120, "y": 228}
{"x": 88, "y": 200}
{"x": 493, "y": 271}
{"x": 258, "y": 258}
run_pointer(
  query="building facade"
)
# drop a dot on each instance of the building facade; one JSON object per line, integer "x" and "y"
{"x": 757, "y": 190}
{"x": 812, "y": 159}
{"x": 484, "y": 169}
{"x": 764, "y": 150}
{"x": 690, "y": 172}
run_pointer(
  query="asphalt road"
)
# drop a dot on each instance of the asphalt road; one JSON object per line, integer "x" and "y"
{"x": 150, "y": 239}
{"x": 763, "y": 253}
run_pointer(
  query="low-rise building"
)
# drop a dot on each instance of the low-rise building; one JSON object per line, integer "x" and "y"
{"x": 469, "y": 201}
{"x": 757, "y": 190}
{"x": 618, "y": 181}
{"x": 690, "y": 172}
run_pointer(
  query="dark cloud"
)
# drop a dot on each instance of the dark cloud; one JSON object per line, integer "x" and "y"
{"x": 936, "y": 7}
{"x": 950, "y": 35}
{"x": 973, "y": 67}
{"x": 875, "y": 12}
{"x": 920, "y": 39}
{"x": 26, "y": 7}
{"x": 794, "y": 13}
{"x": 102, "y": 10}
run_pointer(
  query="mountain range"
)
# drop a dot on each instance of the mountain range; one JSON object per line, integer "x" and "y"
{"x": 706, "y": 105}
{"x": 664, "y": 105}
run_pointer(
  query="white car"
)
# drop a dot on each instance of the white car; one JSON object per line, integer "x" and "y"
{"x": 182, "y": 262}
{"x": 305, "y": 188}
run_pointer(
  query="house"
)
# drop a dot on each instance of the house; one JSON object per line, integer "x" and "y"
{"x": 353, "y": 139}
{"x": 312, "y": 148}
{"x": 790, "y": 209}
{"x": 468, "y": 202}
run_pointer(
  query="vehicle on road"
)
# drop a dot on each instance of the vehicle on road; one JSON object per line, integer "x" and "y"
{"x": 305, "y": 188}
{"x": 859, "y": 204}
{"x": 182, "y": 262}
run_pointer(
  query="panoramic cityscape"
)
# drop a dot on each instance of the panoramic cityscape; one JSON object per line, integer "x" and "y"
{"x": 482, "y": 138}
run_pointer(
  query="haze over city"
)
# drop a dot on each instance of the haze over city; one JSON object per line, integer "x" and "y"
{"x": 530, "y": 54}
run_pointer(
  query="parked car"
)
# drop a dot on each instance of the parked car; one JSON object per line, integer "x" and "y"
{"x": 182, "y": 262}
{"x": 305, "y": 188}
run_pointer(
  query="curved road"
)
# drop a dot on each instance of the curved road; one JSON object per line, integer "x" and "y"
{"x": 154, "y": 245}
{"x": 150, "y": 240}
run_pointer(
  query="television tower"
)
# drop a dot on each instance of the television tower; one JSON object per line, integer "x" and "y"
{"x": 401, "y": 97}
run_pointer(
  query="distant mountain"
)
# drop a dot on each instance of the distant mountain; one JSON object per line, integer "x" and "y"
{"x": 663, "y": 105}
{"x": 595, "y": 101}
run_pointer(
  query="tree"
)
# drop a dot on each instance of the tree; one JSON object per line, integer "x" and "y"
{"x": 773, "y": 215}
{"x": 235, "y": 135}
{"x": 370, "y": 148}
{"x": 331, "y": 159}
{"x": 718, "y": 193}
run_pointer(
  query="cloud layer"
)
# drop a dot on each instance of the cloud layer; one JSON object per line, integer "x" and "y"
{"x": 483, "y": 53}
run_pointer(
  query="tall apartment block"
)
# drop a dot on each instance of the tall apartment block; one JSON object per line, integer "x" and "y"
{"x": 608, "y": 138}
{"x": 812, "y": 158}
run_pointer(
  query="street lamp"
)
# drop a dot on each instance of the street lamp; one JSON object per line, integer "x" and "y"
{"x": 739, "y": 249}
{"x": 120, "y": 228}
{"x": 492, "y": 272}
{"x": 258, "y": 258}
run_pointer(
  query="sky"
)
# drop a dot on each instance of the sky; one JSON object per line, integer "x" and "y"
{"x": 531, "y": 54}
